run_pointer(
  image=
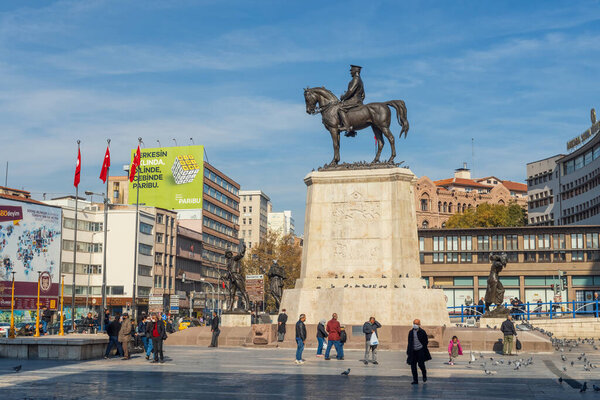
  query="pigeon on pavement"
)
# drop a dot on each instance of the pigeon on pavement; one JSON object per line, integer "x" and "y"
{"x": 346, "y": 372}
{"x": 17, "y": 368}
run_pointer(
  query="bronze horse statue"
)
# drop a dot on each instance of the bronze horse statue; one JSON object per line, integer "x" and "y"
{"x": 376, "y": 115}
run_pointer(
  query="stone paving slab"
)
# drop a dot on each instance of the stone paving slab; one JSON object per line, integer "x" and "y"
{"x": 246, "y": 373}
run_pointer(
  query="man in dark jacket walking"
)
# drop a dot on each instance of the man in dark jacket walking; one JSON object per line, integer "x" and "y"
{"x": 417, "y": 351}
{"x": 300, "y": 338}
{"x": 281, "y": 321}
{"x": 112, "y": 330}
{"x": 334, "y": 330}
{"x": 214, "y": 328}
{"x": 46, "y": 319}
{"x": 508, "y": 329}
{"x": 369, "y": 328}
{"x": 155, "y": 329}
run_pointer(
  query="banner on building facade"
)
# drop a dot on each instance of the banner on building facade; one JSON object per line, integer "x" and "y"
{"x": 30, "y": 243}
{"x": 170, "y": 177}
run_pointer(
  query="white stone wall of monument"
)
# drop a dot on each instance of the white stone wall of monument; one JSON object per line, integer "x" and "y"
{"x": 361, "y": 251}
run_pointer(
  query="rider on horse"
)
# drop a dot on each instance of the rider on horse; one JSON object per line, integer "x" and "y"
{"x": 353, "y": 98}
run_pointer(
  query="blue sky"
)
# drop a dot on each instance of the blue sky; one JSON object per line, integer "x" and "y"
{"x": 518, "y": 77}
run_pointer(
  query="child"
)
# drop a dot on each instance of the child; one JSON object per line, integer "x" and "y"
{"x": 343, "y": 338}
{"x": 454, "y": 350}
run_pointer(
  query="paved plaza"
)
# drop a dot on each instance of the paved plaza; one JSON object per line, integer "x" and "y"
{"x": 229, "y": 373}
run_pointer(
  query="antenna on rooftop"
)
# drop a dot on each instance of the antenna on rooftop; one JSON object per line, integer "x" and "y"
{"x": 473, "y": 156}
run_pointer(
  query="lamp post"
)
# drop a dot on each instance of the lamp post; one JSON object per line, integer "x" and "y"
{"x": 61, "y": 332}
{"x": 11, "y": 333}
{"x": 212, "y": 290}
{"x": 37, "y": 314}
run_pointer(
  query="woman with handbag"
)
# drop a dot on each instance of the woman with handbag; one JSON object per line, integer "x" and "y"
{"x": 371, "y": 340}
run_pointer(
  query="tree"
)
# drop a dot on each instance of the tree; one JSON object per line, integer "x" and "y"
{"x": 274, "y": 246}
{"x": 489, "y": 215}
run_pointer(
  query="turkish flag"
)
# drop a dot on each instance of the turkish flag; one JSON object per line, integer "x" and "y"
{"x": 77, "y": 169}
{"x": 135, "y": 164}
{"x": 105, "y": 165}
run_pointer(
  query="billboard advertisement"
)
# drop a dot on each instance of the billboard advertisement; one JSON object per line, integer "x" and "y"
{"x": 170, "y": 177}
{"x": 30, "y": 242}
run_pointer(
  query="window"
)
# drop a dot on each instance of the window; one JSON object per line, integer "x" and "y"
{"x": 421, "y": 249}
{"x": 529, "y": 242}
{"x": 244, "y": 209}
{"x": 159, "y": 237}
{"x": 438, "y": 257}
{"x": 145, "y": 228}
{"x": 577, "y": 255}
{"x": 463, "y": 281}
{"x": 512, "y": 242}
{"x": 544, "y": 241}
{"x": 158, "y": 258}
{"x": 143, "y": 291}
{"x": 424, "y": 204}
{"x": 425, "y": 224}
{"x": 115, "y": 290}
{"x": 466, "y": 257}
{"x": 512, "y": 256}
{"x": 559, "y": 256}
{"x": 543, "y": 256}
{"x": 483, "y": 242}
{"x": 249, "y": 221}
{"x": 144, "y": 270}
{"x": 577, "y": 241}
{"x": 529, "y": 257}
{"x": 249, "y": 208}
{"x": 438, "y": 243}
{"x": 159, "y": 219}
{"x": 558, "y": 241}
{"x": 591, "y": 240}
{"x": 145, "y": 249}
{"x": 466, "y": 243}
{"x": 157, "y": 281}
{"x": 69, "y": 223}
{"x": 452, "y": 242}
{"x": 497, "y": 242}
{"x": 593, "y": 255}
{"x": 452, "y": 257}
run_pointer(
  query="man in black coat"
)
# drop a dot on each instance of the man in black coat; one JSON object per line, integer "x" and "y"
{"x": 281, "y": 321}
{"x": 417, "y": 351}
{"x": 214, "y": 328}
{"x": 112, "y": 330}
{"x": 300, "y": 338}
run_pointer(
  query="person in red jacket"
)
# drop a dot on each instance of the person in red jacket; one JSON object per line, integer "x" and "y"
{"x": 334, "y": 330}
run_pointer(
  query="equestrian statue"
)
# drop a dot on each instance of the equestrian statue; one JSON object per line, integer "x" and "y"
{"x": 349, "y": 114}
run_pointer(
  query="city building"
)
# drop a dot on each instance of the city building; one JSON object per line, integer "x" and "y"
{"x": 437, "y": 201}
{"x": 165, "y": 254}
{"x": 6, "y": 191}
{"x": 281, "y": 222}
{"x": 121, "y": 249}
{"x": 562, "y": 190}
{"x": 255, "y": 207}
{"x": 457, "y": 260}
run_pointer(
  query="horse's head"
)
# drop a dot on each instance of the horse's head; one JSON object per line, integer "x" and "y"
{"x": 311, "y": 101}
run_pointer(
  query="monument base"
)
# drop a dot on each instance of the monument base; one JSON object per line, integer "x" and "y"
{"x": 391, "y": 301}
{"x": 236, "y": 319}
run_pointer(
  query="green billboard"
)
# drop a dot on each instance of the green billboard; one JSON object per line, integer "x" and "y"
{"x": 169, "y": 177}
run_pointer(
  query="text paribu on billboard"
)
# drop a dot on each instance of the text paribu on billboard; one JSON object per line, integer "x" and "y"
{"x": 170, "y": 177}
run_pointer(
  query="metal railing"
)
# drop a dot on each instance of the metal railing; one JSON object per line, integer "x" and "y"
{"x": 527, "y": 311}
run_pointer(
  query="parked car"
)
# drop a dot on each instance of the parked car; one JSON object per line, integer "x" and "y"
{"x": 189, "y": 322}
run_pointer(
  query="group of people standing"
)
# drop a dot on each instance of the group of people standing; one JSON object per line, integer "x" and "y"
{"x": 335, "y": 334}
{"x": 151, "y": 330}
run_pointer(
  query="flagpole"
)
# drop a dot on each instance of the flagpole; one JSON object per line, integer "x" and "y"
{"x": 102, "y": 327}
{"x": 137, "y": 228}
{"x": 75, "y": 246}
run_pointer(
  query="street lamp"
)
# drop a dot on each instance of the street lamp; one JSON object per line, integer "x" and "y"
{"x": 212, "y": 290}
{"x": 104, "y": 254}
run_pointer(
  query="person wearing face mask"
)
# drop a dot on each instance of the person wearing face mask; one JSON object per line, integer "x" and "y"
{"x": 417, "y": 351}
{"x": 155, "y": 329}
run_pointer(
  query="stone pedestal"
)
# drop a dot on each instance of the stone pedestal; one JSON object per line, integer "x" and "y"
{"x": 361, "y": 251}
{"x": 236, "y": 319}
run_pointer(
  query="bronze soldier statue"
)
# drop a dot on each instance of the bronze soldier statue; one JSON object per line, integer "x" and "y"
{"x": 276, "y": 276}
{"x": 354, "y": 97}
{"x": 495, "y": 290}
{"x": 235, "y": 278}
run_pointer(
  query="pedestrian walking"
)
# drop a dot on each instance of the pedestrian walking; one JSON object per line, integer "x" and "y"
{"x": 145, "y": 338}
{"x": 321, "y": 336}
{"x": 509, "y": 331}
{"x": 300, "y": 338}
{"x": 371, "y": 340}
{"x": 333, "y": 329}
{"x": 125, "y": 335}
{"x": 106, "y": 318}
{"x": 156, "y": 330}
{"x": 112, "y": 330}
{"x": 281, "y": 321}
{"x": 417, "y": 351}
{"x": 454, "y": 349}
{"x": 214, "y": 328}
{"x": 343, "y": 339}
{"x": 46, "y": 319}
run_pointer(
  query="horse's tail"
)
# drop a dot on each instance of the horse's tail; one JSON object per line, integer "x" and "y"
{"x": 401, "y": 114}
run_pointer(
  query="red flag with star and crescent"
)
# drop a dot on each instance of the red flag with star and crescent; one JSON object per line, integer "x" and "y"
{"x": 135, "y": 164}
{"x": 77, "y": 169}
{"x": 105, "y": 165}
